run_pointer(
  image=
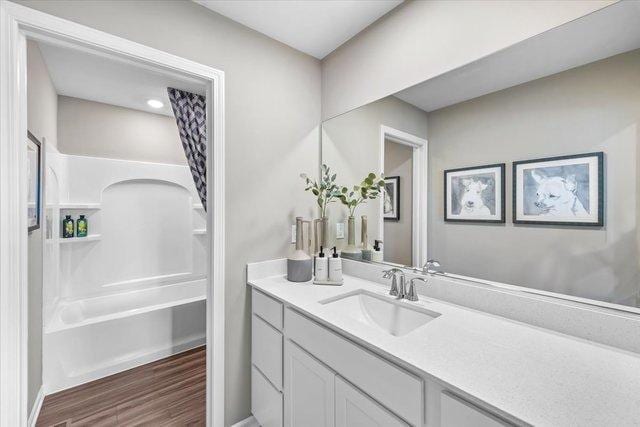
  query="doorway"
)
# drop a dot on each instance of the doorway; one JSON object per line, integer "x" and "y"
{"x": 20, "y": 25}
{"x": 404, "y": 160}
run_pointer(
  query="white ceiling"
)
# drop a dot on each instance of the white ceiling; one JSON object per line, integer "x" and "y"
{"x": 316, "y": 27}
{"x": 607, "y": 32}
{"x": 86, "y": 75}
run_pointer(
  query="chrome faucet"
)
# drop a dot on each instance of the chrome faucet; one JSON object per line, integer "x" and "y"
{"x": 430, "y": 267}
{"x": 412, "y": 295}
{"x": 393, "y": 274}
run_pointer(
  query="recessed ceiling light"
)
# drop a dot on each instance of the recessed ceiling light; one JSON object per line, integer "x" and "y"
{"x": 154, "y": 103}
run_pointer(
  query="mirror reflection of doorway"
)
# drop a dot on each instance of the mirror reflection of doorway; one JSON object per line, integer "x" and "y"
{"x": 398, "y": 227}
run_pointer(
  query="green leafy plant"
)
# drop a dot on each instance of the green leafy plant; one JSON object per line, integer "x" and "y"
{"x": 326, "y": 190}
{"x": 369, "y": 189}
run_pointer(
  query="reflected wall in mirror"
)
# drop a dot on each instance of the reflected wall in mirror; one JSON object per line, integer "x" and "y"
{"x": 590, "y": 108}
{"x": 389, "y": 137}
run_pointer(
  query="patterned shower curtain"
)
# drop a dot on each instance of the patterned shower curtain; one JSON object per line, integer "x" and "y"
{"x": 191, "y": 117}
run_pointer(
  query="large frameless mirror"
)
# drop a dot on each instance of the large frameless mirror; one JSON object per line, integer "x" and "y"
{"x": 504, "y": 170}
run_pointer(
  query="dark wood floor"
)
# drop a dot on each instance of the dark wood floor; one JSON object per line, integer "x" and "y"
{"x": 169, "y": 392}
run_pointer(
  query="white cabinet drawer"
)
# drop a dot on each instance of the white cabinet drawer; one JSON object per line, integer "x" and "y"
{"x": 455, "y": 412}
{"x": 266, "y": 401}
{"x": 396, "y": 389}
{"x": 267, "y": 308}
{"x": 266, "y": 350}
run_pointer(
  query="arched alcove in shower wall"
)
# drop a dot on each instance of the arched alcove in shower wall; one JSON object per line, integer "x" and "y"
{"x": 145, "y": 227}
{"x": 146, "y": 239}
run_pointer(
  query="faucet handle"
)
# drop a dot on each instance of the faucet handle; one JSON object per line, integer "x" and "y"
{"x": 391, "y": 274}
{"x": 412, "y": 295}
{"x": 429, "y": 266}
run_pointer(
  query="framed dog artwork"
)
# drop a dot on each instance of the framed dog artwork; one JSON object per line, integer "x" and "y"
{"x": 475, "y": 194}
{"x": 391, "y": 203}
{"x": 565, "y": 190}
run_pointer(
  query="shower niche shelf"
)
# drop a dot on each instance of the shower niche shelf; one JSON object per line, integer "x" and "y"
{"x": 79, "y": 206}
{"x": 89, "y": 238}
{"x": 199, "y": 231}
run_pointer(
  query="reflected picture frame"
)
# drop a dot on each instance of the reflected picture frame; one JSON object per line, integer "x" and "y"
{"x": 34, "y": 182}
{"x": 475, "y": 194}
{"x": 391, "y": 198}
{"x": 561, "y": 190}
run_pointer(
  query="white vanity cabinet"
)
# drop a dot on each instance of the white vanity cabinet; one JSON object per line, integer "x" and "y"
{"x": 306, "y": 375}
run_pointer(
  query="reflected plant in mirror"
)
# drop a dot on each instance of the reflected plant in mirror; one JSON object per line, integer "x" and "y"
{"x": 370, "y": 188}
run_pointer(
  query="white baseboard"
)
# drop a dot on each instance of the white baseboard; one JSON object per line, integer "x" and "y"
{"x": 37, "y": 405}
{"x": 247, "y": 422}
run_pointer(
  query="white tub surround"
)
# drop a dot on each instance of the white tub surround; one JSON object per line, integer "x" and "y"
{"x": 91, "y": 338}
{"x": 134, "y": 289}
{"x": 473, "y": 364}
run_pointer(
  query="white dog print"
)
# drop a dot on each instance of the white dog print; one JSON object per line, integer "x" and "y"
{"x": 557, "y": 196}
{"x": 471, "y": 201}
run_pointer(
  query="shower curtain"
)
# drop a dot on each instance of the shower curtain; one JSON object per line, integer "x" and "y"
{"x": 191, "y": 117}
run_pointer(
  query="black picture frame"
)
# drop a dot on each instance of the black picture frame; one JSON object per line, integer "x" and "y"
{"x": 599, "y": 155}
{"x": 37, "y": 147}
{"x": 395, "y": 180}
{"x": 501, "y": 203}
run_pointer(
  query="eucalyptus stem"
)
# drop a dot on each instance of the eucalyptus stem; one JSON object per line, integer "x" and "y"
{"x": 370, "y": 188}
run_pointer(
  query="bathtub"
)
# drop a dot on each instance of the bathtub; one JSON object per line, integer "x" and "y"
{"x": 91, "y": 338}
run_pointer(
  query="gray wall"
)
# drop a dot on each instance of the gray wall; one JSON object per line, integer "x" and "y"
{"x": 351, "y": 147}
{"x": 41, "y": 122}
{"x": 398, "y": 242}
{"x": 420, "y": 40}
{"x": 272, "y": 114}
{"x": 595, "y": 107}
{"x": 89, "y": 128}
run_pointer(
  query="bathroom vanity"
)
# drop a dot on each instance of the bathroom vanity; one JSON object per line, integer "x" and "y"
{"x": 354, "y": 356}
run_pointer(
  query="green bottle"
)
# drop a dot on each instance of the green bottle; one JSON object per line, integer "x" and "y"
{"x": 67, "y": 227}
{"x": 81, "y": 227}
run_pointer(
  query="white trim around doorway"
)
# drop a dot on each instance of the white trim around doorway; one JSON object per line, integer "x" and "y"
{"x": 420, "y": 187}
{"x": 17, "y": 23}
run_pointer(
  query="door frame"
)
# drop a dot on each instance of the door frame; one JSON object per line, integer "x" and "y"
{"x": 420, "y": 186}
{"x": 17, "y": 23}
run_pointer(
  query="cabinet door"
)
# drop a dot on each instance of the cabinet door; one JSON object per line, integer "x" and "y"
{"x": 309, "y": 390}
{"x": 455, "y": 412}
{"x": 355, "y": 409}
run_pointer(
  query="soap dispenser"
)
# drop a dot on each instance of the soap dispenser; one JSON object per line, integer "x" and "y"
{"x": 322, "y": 266}
{"x": 335, "y": 267}
{"x": 376, "y": 255}
{"x": 300, "y": 264}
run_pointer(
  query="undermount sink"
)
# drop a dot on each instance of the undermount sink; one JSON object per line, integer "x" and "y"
{"x": 395, "y": 317}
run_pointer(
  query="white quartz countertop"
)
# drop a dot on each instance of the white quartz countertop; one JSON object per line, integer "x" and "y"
{"x": 538, "y": 376}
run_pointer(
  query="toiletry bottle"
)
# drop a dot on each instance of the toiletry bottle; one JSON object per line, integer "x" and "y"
{"x": 376, "y": 255}
{"x": 81, "y": 227}
{"x": 335, "y": 267}
{"x": 322, "y": 266}
{"x": 67, "y": 227}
